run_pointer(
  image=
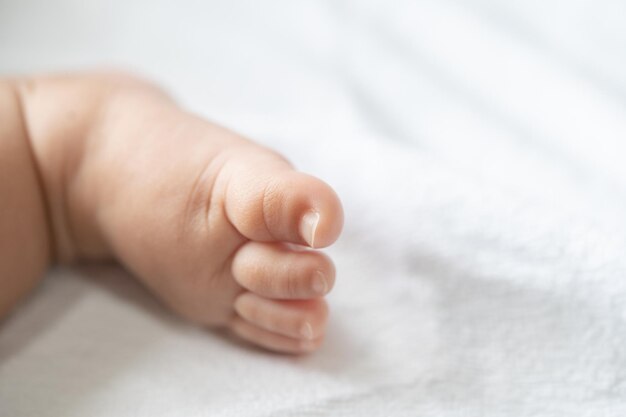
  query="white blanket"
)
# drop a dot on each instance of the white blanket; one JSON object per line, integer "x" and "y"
{"x": 479, "y": 148}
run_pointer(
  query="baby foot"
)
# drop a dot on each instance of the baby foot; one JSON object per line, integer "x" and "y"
{"x": 215, "y": 225}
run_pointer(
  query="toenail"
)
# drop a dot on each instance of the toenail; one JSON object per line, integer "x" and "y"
{"x": 319, "y": 283}
{"x": 308, "y": 227}
{"x": 307, "y": 331}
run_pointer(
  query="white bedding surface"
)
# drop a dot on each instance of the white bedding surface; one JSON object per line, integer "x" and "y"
{"x": 479, "y": 148}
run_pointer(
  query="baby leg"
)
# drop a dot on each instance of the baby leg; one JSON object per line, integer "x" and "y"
{"x": 24, "y": 236}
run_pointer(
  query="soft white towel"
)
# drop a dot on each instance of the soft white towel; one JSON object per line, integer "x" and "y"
{"x": 479, "y": 148}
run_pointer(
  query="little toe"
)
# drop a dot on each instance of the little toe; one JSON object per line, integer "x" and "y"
{"x": 283, "y": 272}
{"x": 266, "y": 200}
{"x": 272, "y": 341}
{"x": 303, "y": 319}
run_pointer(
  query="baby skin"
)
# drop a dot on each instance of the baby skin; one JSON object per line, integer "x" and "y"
{"x": 98, "y": 167}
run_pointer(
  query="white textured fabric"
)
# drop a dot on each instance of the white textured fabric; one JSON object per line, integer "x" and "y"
{"x": 479, "y": 148}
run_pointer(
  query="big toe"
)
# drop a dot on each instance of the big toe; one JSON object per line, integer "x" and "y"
{"x": 266, "y": 200}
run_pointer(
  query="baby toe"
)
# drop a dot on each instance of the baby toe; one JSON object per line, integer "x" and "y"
{"x": 303, "y": 320}
{"x": 266, "y": 200}
{"x": 272, "y": 341}
{"x": 283, "y": 272}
